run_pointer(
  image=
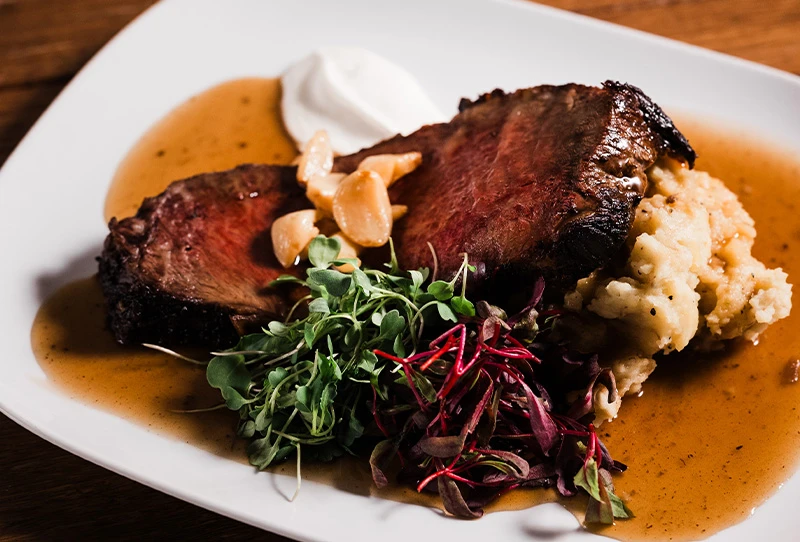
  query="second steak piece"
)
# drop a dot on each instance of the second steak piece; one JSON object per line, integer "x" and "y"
{"x": 542, "y": 181}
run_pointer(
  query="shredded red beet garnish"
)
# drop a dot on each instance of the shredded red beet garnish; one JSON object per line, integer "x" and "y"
{"x": 493, "y": 412}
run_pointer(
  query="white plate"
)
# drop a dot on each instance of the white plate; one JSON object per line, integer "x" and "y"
{"x": 52, "y": 190}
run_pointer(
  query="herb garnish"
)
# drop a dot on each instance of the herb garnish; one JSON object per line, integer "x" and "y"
{"x": 480, "y": 409}
{"x": 301, "y": 382}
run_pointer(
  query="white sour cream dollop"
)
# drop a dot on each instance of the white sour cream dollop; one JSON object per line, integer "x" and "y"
{"x": 358, "y": 97}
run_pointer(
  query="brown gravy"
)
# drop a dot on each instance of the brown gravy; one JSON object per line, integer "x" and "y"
{"x": 82, "y": 358}
{"x": 695, "y": 442}
{"x": 237, "y": 122}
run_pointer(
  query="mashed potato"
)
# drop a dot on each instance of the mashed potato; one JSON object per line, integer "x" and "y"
{"x": 690, "y": 277}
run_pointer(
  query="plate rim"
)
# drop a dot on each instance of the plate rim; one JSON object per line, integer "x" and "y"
{"x": 84, "y": 451}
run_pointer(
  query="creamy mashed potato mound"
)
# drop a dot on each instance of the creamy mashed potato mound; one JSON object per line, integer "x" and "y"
{"x": 690, "y": 277}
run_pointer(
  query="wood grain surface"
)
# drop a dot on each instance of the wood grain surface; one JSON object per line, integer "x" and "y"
{"x": 49, "y": 494}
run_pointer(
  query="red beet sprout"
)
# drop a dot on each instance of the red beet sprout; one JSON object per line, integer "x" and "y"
{"x": 480, "y": 426}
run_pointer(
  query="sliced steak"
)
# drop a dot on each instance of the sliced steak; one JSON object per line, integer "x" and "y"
{"x": 192, "y": 267}
{"x": 542, "y": 181}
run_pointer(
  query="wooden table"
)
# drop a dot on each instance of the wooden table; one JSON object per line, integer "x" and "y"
{"x": 48, "y": 494}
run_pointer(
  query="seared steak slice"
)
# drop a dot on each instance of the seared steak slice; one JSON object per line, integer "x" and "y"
{"x": 193, "y": 264}
{"x": 541, "y": 181}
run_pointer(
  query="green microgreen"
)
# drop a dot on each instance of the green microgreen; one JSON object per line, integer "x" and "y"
{"x": 301, "y": 382}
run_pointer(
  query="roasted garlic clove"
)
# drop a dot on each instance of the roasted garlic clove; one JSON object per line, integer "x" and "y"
{"x": 362, "y": 209}
{"x": 320, "y": 191}
{"x": 398, "y": 212}
{"x": 316, "y": 159}
{"x": 391, "y": 166}
{"x": 292, "y": 233}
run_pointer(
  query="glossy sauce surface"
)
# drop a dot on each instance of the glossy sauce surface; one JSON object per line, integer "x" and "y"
{"x": 237, "y": 122}
{"x": 695, "y": 442}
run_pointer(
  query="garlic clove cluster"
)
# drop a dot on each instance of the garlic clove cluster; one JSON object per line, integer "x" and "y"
{"x": 359, "y": 202}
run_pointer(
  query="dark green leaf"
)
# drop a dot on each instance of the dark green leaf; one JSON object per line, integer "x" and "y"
{"x": 327, "y": 396}
{"x": 354, "y": 430}
{"x": 425, "y": 387}
{"x": 327, "y": 451}
{"x": 263, "y": 420}
{"x": 368, "y": 362}
{"x": 247, "y": 429}
{"x": 303, "y": 399}
{"x": 485, "y": 310}
{"x": 276, "y": 376}
{"x": 283, "y": 452}
{"x": 323, "y": 250}
{"x": 588, "y": 479}
{"x": 362, "y": 281}
{"x": 335, "y": 283}
{"x": 277, "y": 328}
{"x": 353, "y": 335}
{"x": 527, "y": 327}
{"x": 417, "y": 278}
{"x": 392, "y": 325}
{"x": 319, "y": 305}
{"x": 599, "y": 512}
{"x": 398, "y": 346}
{"x": 229, "y": 374}
{"x": 346, "y": 261}
{"x": 261, "y": 452}
{"x": 445, "y": 313}
{"x": 329, "y": 370}
{"x": 254, "y": 341}
{"x": 393, "y": 266}
{"x": 618, "y": 506}
{"x": 309, "y": 334}
{"x": 283, "y": 279}
{"x": 601, "y": 508}
{"x": 441, "y": 290}
{"x": 462, "y": 305}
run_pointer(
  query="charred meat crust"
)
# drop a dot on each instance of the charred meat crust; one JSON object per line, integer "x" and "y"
{"x": 139, "y": 311}
{"x": 193, "y": 264}
{"x": 541, "y": 181}
{"x": 673, "y": 141}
